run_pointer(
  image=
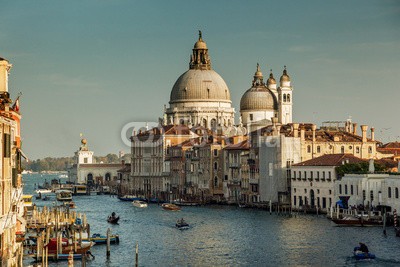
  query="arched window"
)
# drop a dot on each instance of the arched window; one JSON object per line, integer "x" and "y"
{"x": 318, "y": 149}
{"x": 288, "y": 98}
{"x": 342, "y": 149}
{"x": 345, "y": 189}
{"x": 215, "y": 165}
{"x": 216, "y": 181}
{"x": 357, "y": 149}
{"x": 205, "y": 123}
{"x": 351, "y": 189}
{"x": 389, "y": 192}
{"x": 284, "y": 97}
{"x": 213, "y": 123}
{"x": 308, "y": 149}
{"x": 370, "y": 149}
{"x": 108, "y": 176}
{"x": 396, "y": 192}
{"x": 340, "y": 189}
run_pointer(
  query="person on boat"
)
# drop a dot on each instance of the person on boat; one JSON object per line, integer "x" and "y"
{"x": 364, "y": 248}
{"x": 112, "y": 216}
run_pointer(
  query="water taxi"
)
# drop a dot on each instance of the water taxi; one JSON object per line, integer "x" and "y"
{"x": 139, "y": 204}
{"x": 170, "y": 206}
{"x": 79, "y": 189}
{"x": 64, "y": 195}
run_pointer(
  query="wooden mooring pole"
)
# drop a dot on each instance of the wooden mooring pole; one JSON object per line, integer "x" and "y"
{"x": 108, "y": 244}
{"x": 137, "y": 255}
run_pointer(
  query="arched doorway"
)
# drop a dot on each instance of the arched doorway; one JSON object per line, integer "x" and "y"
{"x": 108, "y": 176}
{"x": 312, "y": 198}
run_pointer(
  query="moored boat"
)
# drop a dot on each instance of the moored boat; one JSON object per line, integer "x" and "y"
{"x": 170, "y": 206}
{"x": 139, "y": 204}
{"x": 357, "y": 221}
{"x": 67, "y": 246}
{"x": 128, "y": 198}
{"x": 102, "y": 239}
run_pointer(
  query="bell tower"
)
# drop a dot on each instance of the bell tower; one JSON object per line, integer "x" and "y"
{"x": 285, "y": 96}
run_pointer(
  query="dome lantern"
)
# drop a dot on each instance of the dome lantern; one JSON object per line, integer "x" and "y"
{"x": 200, "y": 60}
{"x": 258, "y": 77}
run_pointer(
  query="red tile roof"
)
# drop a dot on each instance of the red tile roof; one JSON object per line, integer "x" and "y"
{"x": 331, "y": 160}
{"x": 244, "y": 145}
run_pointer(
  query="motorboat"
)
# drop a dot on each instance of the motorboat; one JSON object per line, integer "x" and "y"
{"x": 64, "y": 195}
{"x": 170, "y": 206}
{"x": 43, "y": 191}
{"x": 182, "y": 202}
{"x": 139, "y": 204}
{"x": 102, "y": 239}
{"x": 181, "y": 224}
{"x": 128, "y": 198}
{"x": 359, "y": 255}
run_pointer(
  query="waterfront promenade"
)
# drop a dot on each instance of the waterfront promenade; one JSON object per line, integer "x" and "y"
{"x": 224, "y": 236}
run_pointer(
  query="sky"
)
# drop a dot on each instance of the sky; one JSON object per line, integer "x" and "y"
{"x": 94, "y": 66}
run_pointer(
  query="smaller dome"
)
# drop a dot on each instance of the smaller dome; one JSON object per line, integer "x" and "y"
{"x": 285, "y": 77}
{"x": 258, "y": 98}
{"x": 271, "y": 79}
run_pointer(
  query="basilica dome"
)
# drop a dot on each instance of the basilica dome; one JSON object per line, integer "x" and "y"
{"x": 200, "y": 85}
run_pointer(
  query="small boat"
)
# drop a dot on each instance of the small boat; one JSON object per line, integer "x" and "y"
{"x": 64, "y": 195}
{"x": 70, "y": 204}
{"x": 102, "y": 239}
{"x": 67, "y": 246}
{"x": 182, "y": 224}
{"x": 139, "y": 204}
{"x": 128, "y": 198}
{"x": 359, "y": 255}
{"x": 357, "y": 221}
{"x": 181, "y": 202}
{"x": 113, "y": 219}
{"x": 43, "y": 191}
{"x": 170, "y": 206}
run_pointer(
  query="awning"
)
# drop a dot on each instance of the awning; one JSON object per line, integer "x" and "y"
{"x": 22, "y": 154}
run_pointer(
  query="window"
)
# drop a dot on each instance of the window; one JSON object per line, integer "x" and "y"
{"x": 329, "y": 175}
{"x": 284, "y": 97}
{"x": 370, "y": 149}
{"x": 330, "y": 192}
{"x": 299, "y": 174}
{"x": 85, "y": 160}
{"x": 305, "y": 175}
{"x": 215, "y": 152}
{"x": 294, "y": 175}
{"x": 251, "y": 117}
{"x": 216, "y": 181}
{"x": 215, "y": 165}
{"x": 371, "y": 195}
{"x": 318, "y": 175}
{"x": 288, "y": 98}
{"x": 305, "y": 190}
{"x": 311, "y": 175}
{"x": 226, "y": 177}
{"x": 389, "y": 192}
{"x": 323, "y": 175}
{"x": 342, "y": 149}
{"x": 294, "y": 201}
{"x": 308, "y": 149}
{"x": 357, "y": 149}
{"x": 318, "y": 149}
{"x": 364, "y": 196}
{"x": 340, "y": 189}
{"x": 317, "y": 191}
{"x": 351, "y": 189}
{"x": 7, "y": 146}
{"x": 345, "y": 189}
{"x": 396, "y": 192}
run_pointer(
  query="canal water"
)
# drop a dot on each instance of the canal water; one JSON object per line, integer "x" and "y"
{"x": 223, "y": 236}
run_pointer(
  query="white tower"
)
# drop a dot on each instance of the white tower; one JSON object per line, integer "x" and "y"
{"x": 285, "y": 92}
{"x": 84, "y": 156}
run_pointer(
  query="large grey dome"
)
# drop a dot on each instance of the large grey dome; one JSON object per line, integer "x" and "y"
{"x": 258, "y": 98}
{"x": 200, "y": 85}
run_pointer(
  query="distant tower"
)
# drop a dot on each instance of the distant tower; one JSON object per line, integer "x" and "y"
{"x": 84, "y": 156}
{"x": 285, "y": 93}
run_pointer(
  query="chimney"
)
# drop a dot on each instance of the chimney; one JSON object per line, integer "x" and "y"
{"x": 355, "y": 128}
{"x": 302, "y": 133}
{"x": 295, "y": 130}
{"x": 364, "y": 133}
{"x": 372, "y": 133}
{"x": 313, "y": 128}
